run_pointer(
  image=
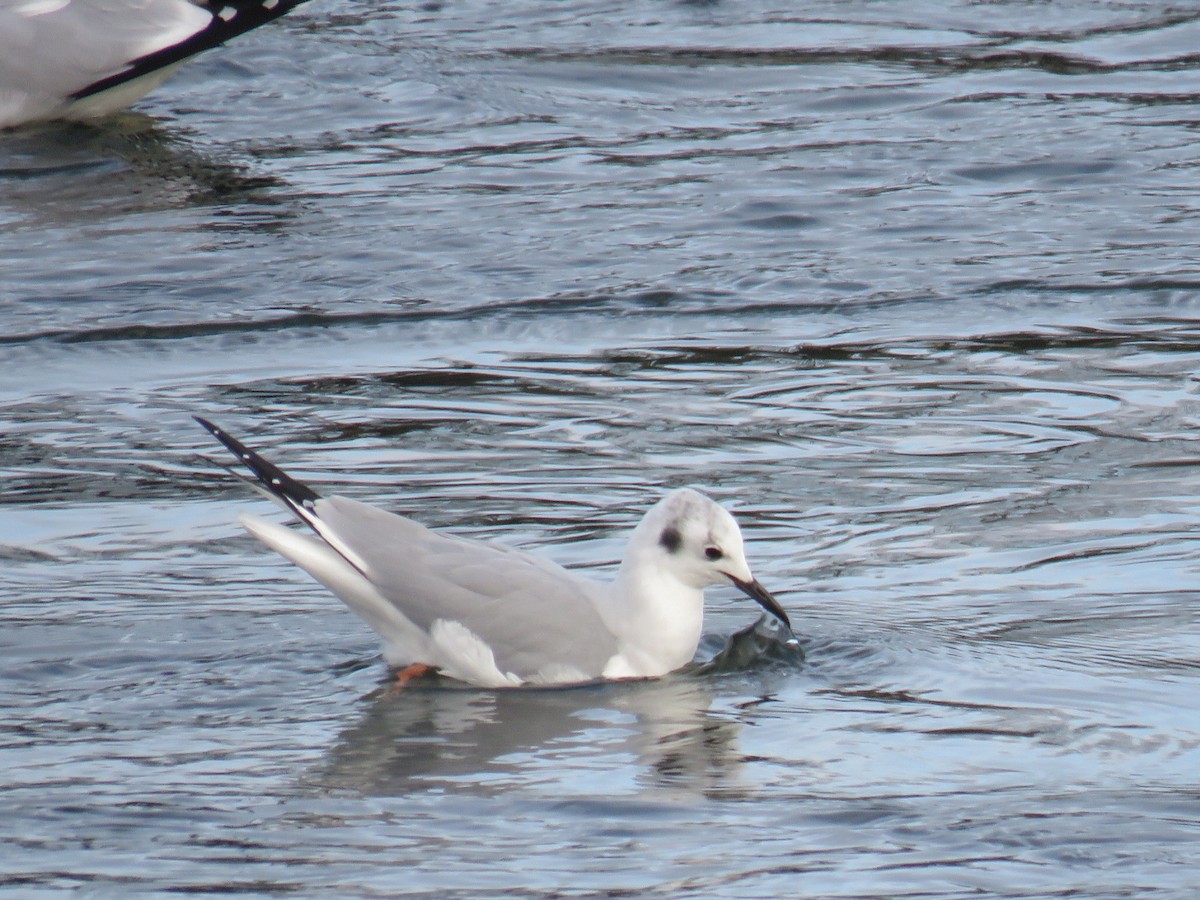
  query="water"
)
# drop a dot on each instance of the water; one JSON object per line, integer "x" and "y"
{"x": 912, "y": 287}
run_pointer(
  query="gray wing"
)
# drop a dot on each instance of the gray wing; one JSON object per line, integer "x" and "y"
{"x": 532, "y": 612}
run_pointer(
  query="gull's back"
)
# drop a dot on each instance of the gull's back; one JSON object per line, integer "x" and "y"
{"x": 540, "y": 621}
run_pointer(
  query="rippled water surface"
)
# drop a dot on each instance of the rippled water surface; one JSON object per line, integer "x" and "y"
{"x": 911, "y": 287}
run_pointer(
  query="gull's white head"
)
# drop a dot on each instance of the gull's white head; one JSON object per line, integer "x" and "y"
{"x": 699, "y": 542}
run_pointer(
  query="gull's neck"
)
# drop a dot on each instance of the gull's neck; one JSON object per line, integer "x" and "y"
{"x": 656, "y": 618}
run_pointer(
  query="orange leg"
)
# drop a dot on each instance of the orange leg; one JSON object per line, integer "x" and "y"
{"x": 409, "y": 672}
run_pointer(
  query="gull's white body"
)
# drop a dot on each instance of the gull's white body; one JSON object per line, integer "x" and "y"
{"x": 51, "y": 49}
{"x": 557, "y": 627}
{"x": 491, "y": 615}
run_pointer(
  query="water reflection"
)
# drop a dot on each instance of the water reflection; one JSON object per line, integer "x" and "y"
{"x": 128, "y": 164}
{"x": 438, "y": 736}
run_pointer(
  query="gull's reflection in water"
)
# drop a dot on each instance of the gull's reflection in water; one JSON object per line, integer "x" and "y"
{"x": 432, "y": 735}
{"x": 438, "y": 734}
{"x": 125, "y": 164}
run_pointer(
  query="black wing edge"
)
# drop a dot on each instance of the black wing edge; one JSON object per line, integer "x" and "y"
{"x": 295, "y": 495}
{"x": 230, "y": 18}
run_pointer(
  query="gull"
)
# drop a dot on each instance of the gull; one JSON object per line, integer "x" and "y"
{"x": 83, "y": 59}
{"x": 494, "y": 616}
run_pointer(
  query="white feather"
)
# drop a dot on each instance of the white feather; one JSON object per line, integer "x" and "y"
{"x": 403, "y": 642}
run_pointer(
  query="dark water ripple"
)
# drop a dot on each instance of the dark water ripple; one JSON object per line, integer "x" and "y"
{"x": 912, "y": 288}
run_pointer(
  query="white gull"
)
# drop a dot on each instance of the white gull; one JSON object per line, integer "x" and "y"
{"x": 494, "y": 616}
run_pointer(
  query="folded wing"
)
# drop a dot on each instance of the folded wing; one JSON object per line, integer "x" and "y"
{"x": 535, "y": 616}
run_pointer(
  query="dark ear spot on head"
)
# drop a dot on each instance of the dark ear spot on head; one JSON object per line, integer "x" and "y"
{"x": 671, "y": 539}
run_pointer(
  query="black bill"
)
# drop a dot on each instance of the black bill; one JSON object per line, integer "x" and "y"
{"x": 763, "y": 598}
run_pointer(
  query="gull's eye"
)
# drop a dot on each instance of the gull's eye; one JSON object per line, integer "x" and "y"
{"x": 713, "y": 553}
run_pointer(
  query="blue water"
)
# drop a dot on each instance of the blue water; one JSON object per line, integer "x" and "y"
{"x": 910, "y": 287}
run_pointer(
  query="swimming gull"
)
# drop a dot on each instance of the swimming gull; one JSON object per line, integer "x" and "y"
{"x": 82, "y": 59}
{"x": 491, "y": 615}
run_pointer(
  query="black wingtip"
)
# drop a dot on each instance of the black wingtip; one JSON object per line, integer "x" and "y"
{"x": 230, "y": 18}
{"x": 295, "y": 494}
